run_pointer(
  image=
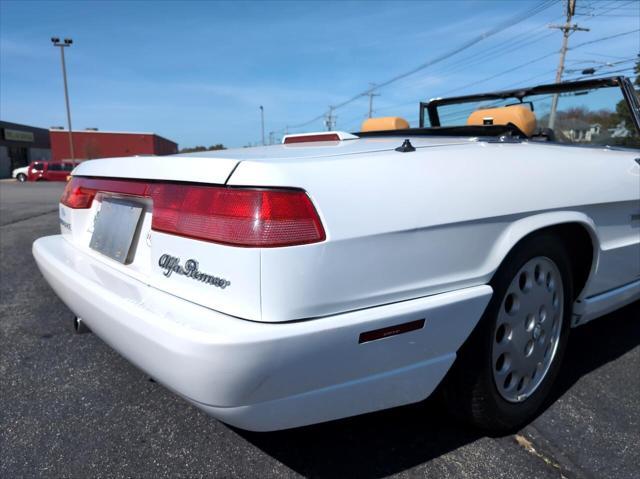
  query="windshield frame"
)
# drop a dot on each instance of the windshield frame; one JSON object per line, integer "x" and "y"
{"x": 431, "y": 107}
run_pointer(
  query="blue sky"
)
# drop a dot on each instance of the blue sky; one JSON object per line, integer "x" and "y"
{"x": 196, "y": 72}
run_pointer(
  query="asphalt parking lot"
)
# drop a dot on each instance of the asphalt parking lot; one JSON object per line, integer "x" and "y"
{"x": 72, "y": 407}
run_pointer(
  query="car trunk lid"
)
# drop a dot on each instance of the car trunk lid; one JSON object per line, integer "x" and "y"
{"x": 226, "y": 278}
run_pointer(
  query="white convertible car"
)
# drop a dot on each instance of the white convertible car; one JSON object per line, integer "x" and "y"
{"x": 338, "y": 274}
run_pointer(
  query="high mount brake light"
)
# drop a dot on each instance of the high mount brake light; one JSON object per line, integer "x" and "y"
{"x": 318, "y": 136}
{"x": 309, "y": 138}
{"x": 249, "y": 217}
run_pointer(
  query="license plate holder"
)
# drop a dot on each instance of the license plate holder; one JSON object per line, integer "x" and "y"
{"x": 116, "y": 225}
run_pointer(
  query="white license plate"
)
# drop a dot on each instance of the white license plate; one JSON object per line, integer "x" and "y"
{"x": 115, "y": 227}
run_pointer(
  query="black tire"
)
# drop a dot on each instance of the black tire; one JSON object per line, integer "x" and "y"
{"x": 469, "y": 390}
{"x": 21, "y": 177}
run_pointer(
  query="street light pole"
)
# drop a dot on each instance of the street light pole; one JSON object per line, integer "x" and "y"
{"x": 66, "y": 43}
{"x": 262, "y": 122}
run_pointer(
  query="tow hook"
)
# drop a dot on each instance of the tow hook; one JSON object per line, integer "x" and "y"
{"x": 79, "y": 326}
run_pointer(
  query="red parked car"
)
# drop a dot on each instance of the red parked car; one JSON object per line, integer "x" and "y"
{"x": 50, "y": 170}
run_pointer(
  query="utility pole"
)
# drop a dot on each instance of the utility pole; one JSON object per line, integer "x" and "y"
{"x": 66, "y": 43}
{"x": 567, "y": 29}
{"x": 330, "y": 119}
{"x": 262, "y": 123}
{"x": 370, "y": 94}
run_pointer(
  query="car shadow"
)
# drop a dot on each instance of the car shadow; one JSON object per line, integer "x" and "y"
{"x": 382, "y": 443}
{"x": 596, "y": 344}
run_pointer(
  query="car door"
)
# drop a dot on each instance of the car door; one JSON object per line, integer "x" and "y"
{"x": 67, "y": 169}
{"x": 55, "y": 172}
{"x": 606, "y": 119}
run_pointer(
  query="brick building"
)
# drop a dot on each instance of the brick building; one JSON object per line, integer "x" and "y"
{"x": 90, "y": 144}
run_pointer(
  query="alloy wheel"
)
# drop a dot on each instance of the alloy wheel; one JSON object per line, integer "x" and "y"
{"x": 528, "y": 327}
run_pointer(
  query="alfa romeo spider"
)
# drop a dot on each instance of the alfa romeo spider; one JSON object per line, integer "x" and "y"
{"x": 341, "y": 273}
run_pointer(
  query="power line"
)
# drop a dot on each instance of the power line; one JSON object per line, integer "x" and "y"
{"x": 522, "y": 65}
{"x": 474, "y": 83}
{"x": 522, "y": 82}
{"x": 500, "y": 27}
{"x": 604, "y": 74}
{"x": 590, "y": 42}
{"x": 516, "y": 19}
{"x": 603, "y": 55}
{"x": 580, "y": 45}
{"x": 538, "y": 59}
{"x": 603, "y": 11}
{"x": 521, "y": 40}
{"x": 469, "y": 61}
{"x": 602, "y": 64}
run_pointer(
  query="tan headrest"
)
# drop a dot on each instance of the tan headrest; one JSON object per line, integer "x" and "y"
{"x": 384, "y": 123}
{"x": 518, "y": 115}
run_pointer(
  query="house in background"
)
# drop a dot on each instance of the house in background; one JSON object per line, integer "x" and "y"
{"x": 620, "y": 131}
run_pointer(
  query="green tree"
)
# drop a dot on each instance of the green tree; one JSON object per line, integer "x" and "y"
{"x": 194, "y": 149}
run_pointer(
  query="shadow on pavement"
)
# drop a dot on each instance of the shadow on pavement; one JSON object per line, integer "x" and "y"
{"x": 387, "y": 442}
{"x": 598, "y": 343}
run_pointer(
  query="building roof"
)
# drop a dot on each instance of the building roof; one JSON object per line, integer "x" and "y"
{"x": 148, "y": 133}
{"x": 40, "y": 135}
{"x": 9, "y": 124}
{"x": 105, "y": 131}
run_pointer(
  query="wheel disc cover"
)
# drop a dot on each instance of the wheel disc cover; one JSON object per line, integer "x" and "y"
{"x": 528, "y": 327}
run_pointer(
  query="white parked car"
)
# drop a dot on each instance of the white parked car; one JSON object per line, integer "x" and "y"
{"x": 338, "y": 273}
{"x": 20, "y": 174}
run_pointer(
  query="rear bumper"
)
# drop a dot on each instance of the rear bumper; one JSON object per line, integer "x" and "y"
{"x": 265, "y": 376}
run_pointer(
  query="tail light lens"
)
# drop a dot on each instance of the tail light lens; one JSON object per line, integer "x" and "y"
{"x": 76, "y": 195}
{"x": 249, "y": 217}
{"x": 235, "y": 216}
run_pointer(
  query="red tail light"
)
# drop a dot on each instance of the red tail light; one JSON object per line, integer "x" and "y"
{"x": 247, "y": 217}
{"x": 76, "y": 195}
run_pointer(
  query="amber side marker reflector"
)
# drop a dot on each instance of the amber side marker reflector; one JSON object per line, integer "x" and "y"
{"x": 390, "y": 331}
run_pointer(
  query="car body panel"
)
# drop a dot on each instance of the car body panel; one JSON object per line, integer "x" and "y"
{"x": 240, "y": 266}
{"x": 24, "y": 170}
{"x": 215, "y": 167}
{"x": 375, "y": 228}
{"x": 50, "y": 170}
{"x": 263, "y": 376}
{"x": 386, "y": 243}
{"x": 413, "y": 235}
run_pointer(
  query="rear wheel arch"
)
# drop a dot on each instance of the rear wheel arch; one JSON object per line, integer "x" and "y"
{"x": 470, "y": 388}
{"x": 576, "y": 231}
